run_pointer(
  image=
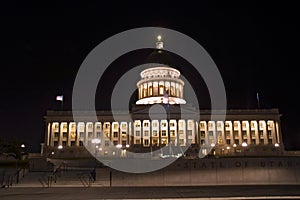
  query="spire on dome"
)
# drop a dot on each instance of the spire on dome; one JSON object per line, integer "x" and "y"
{"x": 159, "y": 43}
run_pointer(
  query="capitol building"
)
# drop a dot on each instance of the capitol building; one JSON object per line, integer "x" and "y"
{"x": 243, "y": 132}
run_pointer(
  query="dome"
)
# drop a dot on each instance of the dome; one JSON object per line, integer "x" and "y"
{"x": 161, "y": 84}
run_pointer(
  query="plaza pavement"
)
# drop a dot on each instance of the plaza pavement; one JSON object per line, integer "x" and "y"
{"x": 154, "y": 193}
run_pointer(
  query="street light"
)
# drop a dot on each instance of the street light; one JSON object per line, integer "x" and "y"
{"x": 244, "y": 145}
{"x": 276, "y": 146}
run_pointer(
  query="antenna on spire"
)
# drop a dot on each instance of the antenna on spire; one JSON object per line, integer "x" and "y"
{"x": 159, "y": 43}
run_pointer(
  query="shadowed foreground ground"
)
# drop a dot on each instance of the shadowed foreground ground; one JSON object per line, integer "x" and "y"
{"x": 207, "y": 192}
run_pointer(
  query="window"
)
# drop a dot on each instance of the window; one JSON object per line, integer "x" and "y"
{"x": 124, "y": 126}
{"x": 81, "y": 143}
{"x": 115, "y": 126}
{"x": 244, "y": 133}
{"x": 115, "y": 142}
{"x": 116, "y": 134}
{"x": 72, "y": 143}
{"x": 236, "y": 141}
{"x": 202, "y": 133}
{"x": 181, "y": 141}
{"x": 269, "y": 133}
{"x": 261, "y": 141}
{"x": 138, "y": 141}
{"x": 107, "y": 125}
{"x": 181, "y": 132}
{"x": 202, "y": 125}
{"x": 219, "y": 125}
{"x": 138, "y": 133}
{"x": 106, "y": 143}
{"x": 211, "y": 133}
{"x": 137, "y": 124}
{"x": 154, "y": 124}
{"x": 55, "y": 143}
{"x": 155, "y": 142}
{"x": 227, "y": 125}
{"x": 98, "y": 134}
{"x": 163, "y": 133}
{"x": 163, "y": 124}
{"x": 146, "y": 124}
{"x": 261, "y": 133}
{"x": 172, "y": 124}
{"x": 81, "y": 134}
{"x": 154, "y": 132}
{"x": 189, "y": 132}
{"x": 219, "y": 133}
{"x": 90, "y": 126}
{"x": 202, "y": 142}
{"x": 146, "y": 142}
{"x": 146, "y": 133}
{"x": 227, "y": 133}
{"x": 64, "y": 126}
{"x": 65, "y": 135}
{"x": 64, "y": 143}
{"x": 56, "y": 134}
{"x": 253, "y": 141}
{"x": 172, "y": 133}
{"x": 98, "y": 126}
{"x": 252, "y": 133}
{"x": 180, "y": 124}
{"x": 227, "y": 141}
{"x": 90, "y": 134}
{"x": 269, "y": 141}
{"x": 235, "y": 133}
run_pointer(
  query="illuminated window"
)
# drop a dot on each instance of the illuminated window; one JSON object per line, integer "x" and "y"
{"x": 202, "y": 133}
{"x": 146, "y": 133}
{"x": 115, "y": 126}
{"x": 172, "y": 133}
{"x": 235, "y": 133}
{"x": 146, "y": 142}
{"x": 163, "y": 133}
{"x": 138, "y": 133}
{"x": 202, "y": 125}
{"x": 227, "y": 133}
{"x": 244, "y": 133}
{"x": 116, "y": 134}
{"x": 154, "y": 132}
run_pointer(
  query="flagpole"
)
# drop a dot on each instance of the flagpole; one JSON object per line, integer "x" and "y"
{"x": 62, "y": 104}
{"x": 257, "y": 97}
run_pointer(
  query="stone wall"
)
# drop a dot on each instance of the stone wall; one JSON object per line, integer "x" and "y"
{"x": 222, "y": 171}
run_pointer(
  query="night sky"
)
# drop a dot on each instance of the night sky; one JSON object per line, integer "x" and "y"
{"x": 254, "y": 45}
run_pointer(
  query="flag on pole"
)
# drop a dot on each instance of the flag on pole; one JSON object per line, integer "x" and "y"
{"x": 59, "y": 98}
{"x": 257, "y": 97}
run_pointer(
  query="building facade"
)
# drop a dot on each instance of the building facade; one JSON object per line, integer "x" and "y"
{"x": 242, "y": 132}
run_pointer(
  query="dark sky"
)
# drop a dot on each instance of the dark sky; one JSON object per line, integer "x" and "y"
{"x": 254, "y": 45}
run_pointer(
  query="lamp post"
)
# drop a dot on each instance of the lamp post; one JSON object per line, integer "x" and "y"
{"x": 96, "y": 142}
{"x": 234, "y": 146}
{"x": 244, "y": 145}
{"x": 276, "y": 146}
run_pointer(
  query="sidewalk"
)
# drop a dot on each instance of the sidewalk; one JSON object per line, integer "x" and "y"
{"x": 191, "y": 193}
